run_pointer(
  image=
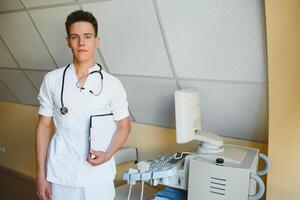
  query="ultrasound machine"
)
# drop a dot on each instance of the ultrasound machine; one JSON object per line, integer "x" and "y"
{"x": 213, "y": 171}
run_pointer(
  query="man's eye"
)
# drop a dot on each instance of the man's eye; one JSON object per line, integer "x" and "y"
{"x": 73, "y": 38}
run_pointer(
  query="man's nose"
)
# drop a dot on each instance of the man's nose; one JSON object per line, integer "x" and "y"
{"x": 81, "y": 41}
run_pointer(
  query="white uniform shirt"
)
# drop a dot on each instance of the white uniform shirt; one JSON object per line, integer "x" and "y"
{"x": 69, "y": 147}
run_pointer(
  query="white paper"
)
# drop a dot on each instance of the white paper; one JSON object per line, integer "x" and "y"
{"x": 101, "y": 132}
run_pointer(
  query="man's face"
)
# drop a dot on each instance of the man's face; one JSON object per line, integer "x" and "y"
{"x": 82, "y": 41}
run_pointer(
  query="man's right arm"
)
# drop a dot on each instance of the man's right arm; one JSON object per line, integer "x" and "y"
{"x": 42, "y": 138}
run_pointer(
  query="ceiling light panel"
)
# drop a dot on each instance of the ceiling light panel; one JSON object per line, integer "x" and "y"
{"x": 51, "y": 24}
{"x": 5, "y": 58}
{"x": 24, "y": 42}
{"x": 6, "y": 5}
{"x": 19, "y": 85}
{"x": 34, "y": 3}
{"x": 5, "y": 94}
{"x": 151, "y": 100}
{"x": 219, "y": 40}
{"x": 131, "y": 39}
{"x": 36, "y": 77}
{"x": 233, "y": 110}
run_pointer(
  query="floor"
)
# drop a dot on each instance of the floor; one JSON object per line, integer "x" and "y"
{"x": 14, "y": 186}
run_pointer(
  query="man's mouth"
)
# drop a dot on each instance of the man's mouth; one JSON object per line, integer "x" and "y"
{"x": 81, "y": 50}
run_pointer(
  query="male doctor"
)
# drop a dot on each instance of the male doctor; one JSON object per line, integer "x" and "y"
{"x": 66, "y": 169}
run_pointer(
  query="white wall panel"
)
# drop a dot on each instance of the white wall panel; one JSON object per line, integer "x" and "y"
{"x": 212, "y": 39}
{"x": 5, "y": 58}
{"x": 19, "y": 85}
{"x": 151, "y": 100}
{"x": 23, "y": 40}
{"x": 51, "y": 24}
{"x": 36, "y": 77}
{"x": 234, "y": 110}
{"x": 131, "y": 39}
{"x": 6, "y": 5}
{"x": 5, "y": 94}
{"x": 33, "y": 3}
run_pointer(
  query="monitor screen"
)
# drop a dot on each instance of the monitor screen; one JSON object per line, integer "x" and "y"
{"x": 187, "y": 114}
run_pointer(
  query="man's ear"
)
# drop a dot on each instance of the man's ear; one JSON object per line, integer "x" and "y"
{"x": 68, "y": 41}
{"x": 97, "y": 41}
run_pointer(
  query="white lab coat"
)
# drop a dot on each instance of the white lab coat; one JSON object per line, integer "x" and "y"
{"x": 68, "y": 149}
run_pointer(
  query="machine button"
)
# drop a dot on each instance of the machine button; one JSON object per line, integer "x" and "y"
{"x": 220, "y": 161}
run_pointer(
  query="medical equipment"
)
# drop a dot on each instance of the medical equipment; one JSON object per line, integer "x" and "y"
{"x": 188, "y": 122}
{"x": 64, "y": 109}
{"x": 214, "y": 171}
{"x": 229, "y": 175}
{"x": 162, "y": 170}
{"x": 187, "y": 112}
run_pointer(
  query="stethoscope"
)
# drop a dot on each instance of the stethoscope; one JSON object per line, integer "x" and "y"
{"x": 64, "y": 109}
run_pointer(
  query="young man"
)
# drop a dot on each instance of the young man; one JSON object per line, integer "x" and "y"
{"x": 69, "y": 96}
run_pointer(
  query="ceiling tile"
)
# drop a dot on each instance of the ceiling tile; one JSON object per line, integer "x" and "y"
{"x": 131, "y": 39}
{"x": 24, "y": 42}
{"x": 6, "y": 5}
{"x": 34, "y": 3}
{"x": 36, "y": 77}
{"x": 51, "y": 24}
{"x": 233, "y": 110}
{"x": 19, "y": 85}
{"x": 5, "y": 58}
{"x": 212, "y": 39}
{"x": 5, "y": 94}
{"x": 151, "y": 100}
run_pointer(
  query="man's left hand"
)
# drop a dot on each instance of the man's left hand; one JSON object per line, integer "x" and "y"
{"x": 100, "y": 157}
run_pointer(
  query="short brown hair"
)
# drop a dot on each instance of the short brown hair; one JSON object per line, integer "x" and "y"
{"x": 81, "y": 16}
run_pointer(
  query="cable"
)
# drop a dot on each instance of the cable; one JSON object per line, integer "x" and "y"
{"x": 143, "y": 167}
{"x": 181, "y": 155}
{"x": 129, "y": 193}
{"x": 267, "y": 165}
{"x": 131, "y": 182}
{"x": 261, "y": 187}
{"x": 142, "y": 190}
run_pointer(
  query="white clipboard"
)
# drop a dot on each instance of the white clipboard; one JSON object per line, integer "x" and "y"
{"x": 102, "y": 129}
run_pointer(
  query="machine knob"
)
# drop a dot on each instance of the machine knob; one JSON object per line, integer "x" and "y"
{"x": 220, "y": 161}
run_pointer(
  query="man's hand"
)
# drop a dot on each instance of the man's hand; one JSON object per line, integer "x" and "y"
{"x": 100, "y": 157}
{"x": 44, "y": 191}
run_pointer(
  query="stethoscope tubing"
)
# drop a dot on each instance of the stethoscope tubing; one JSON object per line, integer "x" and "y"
{"x": 64, "y": 109}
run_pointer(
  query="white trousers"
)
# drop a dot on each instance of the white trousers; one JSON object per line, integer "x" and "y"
{"x": 105, "y": 191}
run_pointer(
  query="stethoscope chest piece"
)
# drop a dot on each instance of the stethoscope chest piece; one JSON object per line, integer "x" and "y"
{"x": 64, "y": 110}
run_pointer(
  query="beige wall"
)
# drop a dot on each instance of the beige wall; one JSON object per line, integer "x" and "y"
{"x": 17, "y": 135}
{"x": 283, "y": 41}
